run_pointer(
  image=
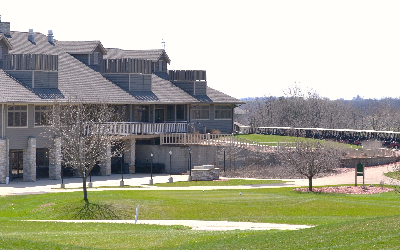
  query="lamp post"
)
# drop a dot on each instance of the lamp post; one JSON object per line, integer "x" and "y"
{"x": 190, "y": 164}
{"x": 171, "y": 180}
{"x": 151, "y": 170}
{"x": 121, "y": 183}
{"x": 224, "y": 158}
{"x": 62, "y": 177}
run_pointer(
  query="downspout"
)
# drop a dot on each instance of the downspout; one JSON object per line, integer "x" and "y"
{"x": 2, "y": 121}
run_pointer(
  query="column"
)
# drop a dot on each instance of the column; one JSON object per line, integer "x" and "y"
{"x": 3, "y": 160}
{"x": 129, "y": 154}
{"x": 55, "y": 160}
{"x": 29, "y": 159}
{"x": 105, "y": 165}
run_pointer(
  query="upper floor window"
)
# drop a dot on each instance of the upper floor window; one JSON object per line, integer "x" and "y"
{"x": 1, "y": 53}
{"x": 141, "y": 113}
{"x": 42, "y": 114}
{"x": 223, "y": 112}
{"x": 18, "y": 116}
{"x": 180, "y": 112}
{"x": 96, "y": 58}
{"x": 200, "y": 112}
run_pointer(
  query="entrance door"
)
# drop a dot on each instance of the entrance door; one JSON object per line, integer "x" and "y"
{"x": 159, "y": 115}
{"x": 17, "y": 168}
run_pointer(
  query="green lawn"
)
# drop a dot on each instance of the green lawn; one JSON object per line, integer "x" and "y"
{"x": 221, "y": 182}
{"x": 277, "y": 138}
{"x": 342, "y": 221}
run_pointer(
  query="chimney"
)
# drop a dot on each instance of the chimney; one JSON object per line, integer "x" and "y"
{"x": 50, "y": 36}
{"x": 4, "y": 27}
{"x": 31, "y": 36}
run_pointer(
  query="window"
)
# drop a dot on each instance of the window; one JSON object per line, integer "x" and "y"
{"x": 42, "y": 115}
{"x": 201, "y": 112}
{"x": 170, "y": 113}
{"x": 223, "y": 112}
{"x": 96, "y": 58}
{"x": 160, "y": 65}
{"x": 180, "y": 112}
{"x": 17, "y": 116}
{"x": 1, "y": 53}
{"x": 141, "y": 113}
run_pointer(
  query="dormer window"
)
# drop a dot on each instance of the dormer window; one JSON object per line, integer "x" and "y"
{"x": 160, "y": 65}
{"x": 96, "y": 58}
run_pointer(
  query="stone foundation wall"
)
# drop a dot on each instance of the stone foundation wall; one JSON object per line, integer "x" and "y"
{"x": 29, "y": 159}
{"x": 129, "y": 155}
{"x": 4, "y": 170}
{"x": 55, "y": 160}
{"x": 201, "y": 155}
{"x": 368, "y": 161}
{"x": 203, "y": 173}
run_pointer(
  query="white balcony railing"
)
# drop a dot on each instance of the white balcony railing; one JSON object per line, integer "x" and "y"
{"x": 141, "y": 128}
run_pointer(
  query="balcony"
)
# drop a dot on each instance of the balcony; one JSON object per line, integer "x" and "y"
{"x": 142, "y": 128}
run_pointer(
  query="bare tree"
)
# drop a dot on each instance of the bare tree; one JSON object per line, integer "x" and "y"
{"x": 85, "y": 134}
{"x": 309, "y": 158}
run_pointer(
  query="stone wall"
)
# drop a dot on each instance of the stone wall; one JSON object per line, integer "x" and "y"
{"x": 201, "y": 155}
{"x": 3, "y": 160}
{"x": 129, "y": 154}
{"x": 29, "y": 160}
{"x": 55, "y": 160}
{"x": 368, "y": 161}
{"x": 205, "y": 173}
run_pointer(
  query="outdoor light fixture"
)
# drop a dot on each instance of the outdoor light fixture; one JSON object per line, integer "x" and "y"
{"x": 170, "y": 166}
{"x": 224, "y": 158}
{"x": 121, "y": 183}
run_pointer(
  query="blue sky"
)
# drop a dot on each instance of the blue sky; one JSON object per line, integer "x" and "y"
{"x": 250, "y": 48}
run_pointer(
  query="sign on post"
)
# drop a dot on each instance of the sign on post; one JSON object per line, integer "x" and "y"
{"x": 359, "y": 171}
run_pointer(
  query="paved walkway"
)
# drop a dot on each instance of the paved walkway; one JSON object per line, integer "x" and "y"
{"x": 373, "y": 175}
{"x": 198, "y": 224}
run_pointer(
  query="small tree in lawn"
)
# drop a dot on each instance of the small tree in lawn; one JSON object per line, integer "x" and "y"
{"x": 85, "y": 135}
{"x": 310, "y": 158}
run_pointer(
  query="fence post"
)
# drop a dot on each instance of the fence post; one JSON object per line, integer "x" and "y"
{"x": 208, "y": 138}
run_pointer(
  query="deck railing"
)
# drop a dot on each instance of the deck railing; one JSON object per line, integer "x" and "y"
{"x": 141, "y": 128}
{"x": 220, "y": 140}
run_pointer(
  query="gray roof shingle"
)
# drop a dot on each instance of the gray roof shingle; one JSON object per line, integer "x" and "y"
{"x": 77, "y": 81}
{"x": 80, "y": 47}
{"x": 153, "y": 54}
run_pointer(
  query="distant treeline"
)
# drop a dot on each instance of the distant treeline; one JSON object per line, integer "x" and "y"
{"x": 299, "y": 109}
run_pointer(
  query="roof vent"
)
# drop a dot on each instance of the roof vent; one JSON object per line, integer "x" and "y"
{"x": 31, "y": 36}
{"x": 50, "y": 36}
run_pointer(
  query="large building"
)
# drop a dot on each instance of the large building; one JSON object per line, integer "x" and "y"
{"x": 36, "y": 70}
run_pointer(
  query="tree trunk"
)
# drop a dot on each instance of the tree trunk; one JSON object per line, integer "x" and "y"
{"x": 84, "y": 189}
{"x": 310, "y": 184}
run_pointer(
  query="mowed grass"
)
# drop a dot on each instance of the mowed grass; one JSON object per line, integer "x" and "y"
{"x": 266, "y": 139}
{"x": 341, "y": 221}
{"x": 221, "y": 182}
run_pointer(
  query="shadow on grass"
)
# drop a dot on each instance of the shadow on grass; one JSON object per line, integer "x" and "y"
{"x": 93, "y": 211}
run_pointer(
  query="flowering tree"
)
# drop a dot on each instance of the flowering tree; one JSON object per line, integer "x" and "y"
{"x": 85, "y": 134}
{"x": 310, "y": 158}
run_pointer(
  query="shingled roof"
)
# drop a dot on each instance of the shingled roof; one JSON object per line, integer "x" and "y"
{"x": 77, "y": 81}
{"x": 81, "y": 47}
{"x": 153, "y": 54}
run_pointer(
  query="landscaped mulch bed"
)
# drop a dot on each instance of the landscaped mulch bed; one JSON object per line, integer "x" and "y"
{"x": 348, "y": 190}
